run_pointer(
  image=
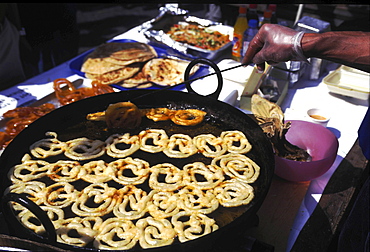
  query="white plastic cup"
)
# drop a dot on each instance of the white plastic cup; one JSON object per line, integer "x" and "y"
{"x": 319, "y": 116}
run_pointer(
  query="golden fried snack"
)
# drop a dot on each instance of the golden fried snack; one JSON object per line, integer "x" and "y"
{"x": 210, "y": 145}
{"x": 188, "y": 117}
{"x": 103, "y": 196}
{"x": 124, "y": 115}
{"x": 96, "y": 171}
{"x": 159, "y": 114}
{"x": 180, "y": 146}
{"x": 233, "y": 193}
{"x": 202, "y": 176}
{"x": 84, "y": 149}
{"x": 163, "y": 204}
{"x": 195, "y": 225}
{"x": 28, "y": 170}
{"x": 155, "y": 232}
{"x": 47, "y": 147}
{"x": 77, "y": 231}
{"x": 133, "y": 204}
{"x": 114, "y": 145}
{"x": 238, "y": 166}
{"x": 236, "y": 141}
{"x": 29, "y": 219}
{"x": 97, "y": 116}
{"x": 60, "y": 194}
{"x": 173, "y": 177}
{"x": 118, "y": 234}
{"x": 64, "y": 171}
{"x": 138, "y": 167}
{"x": 195, "y": 200}
{"x": 35, "y": 190}
{"x": 153, "y": 140}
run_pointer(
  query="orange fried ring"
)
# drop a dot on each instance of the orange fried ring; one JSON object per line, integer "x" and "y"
{"x": 66, "y": 96}
{"x": 159, "y": 114}
{"x": 99, "y": 88}
{"x": 123, "y": 115}
{"x": 188, "y": 117}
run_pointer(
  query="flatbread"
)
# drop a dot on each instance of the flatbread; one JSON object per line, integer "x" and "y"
{"x": 98, "y": 66}
{"x": 166, "y": 72}
{"x": 123, "y": 51}
{"x": 116, "y": 75}
{"x": 114, "y": 56}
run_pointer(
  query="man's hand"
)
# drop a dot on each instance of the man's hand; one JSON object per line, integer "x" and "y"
{"x": 273, "y": 44}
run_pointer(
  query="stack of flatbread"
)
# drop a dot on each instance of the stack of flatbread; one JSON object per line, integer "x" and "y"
{"x": 113, "y": 62}
{"x": 133, "y": 64}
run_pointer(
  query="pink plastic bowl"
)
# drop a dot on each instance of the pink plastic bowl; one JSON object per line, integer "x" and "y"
{"x": 320, "y": 143}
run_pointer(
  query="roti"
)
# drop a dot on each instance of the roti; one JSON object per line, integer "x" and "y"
{"x": 116, "y": 75}
{"x": 166, "y": 72}
{"x": 123, "y": 51}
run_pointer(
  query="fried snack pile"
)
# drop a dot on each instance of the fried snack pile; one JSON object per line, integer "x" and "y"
{"x": 132, "y": 65}
{"x": 72, "y": 94}
{"x": 198, "y": 36}
{"x": 19, "y": 118}
{"x": 129, "y": 201}
{"x": 270, "y": 117}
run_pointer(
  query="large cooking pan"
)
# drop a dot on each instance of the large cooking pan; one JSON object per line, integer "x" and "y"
{"x": 70, "y": 122}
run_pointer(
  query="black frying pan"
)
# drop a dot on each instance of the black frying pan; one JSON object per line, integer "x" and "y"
{"x": 69, "y": 122}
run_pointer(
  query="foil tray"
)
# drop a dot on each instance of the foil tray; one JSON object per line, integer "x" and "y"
{"x": 155, "y": 31}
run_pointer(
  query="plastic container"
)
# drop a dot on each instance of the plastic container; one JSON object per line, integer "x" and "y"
{"x": 349, "y": 82}
{"x": 240, "y": 26}
{"x": 249, "y": 34}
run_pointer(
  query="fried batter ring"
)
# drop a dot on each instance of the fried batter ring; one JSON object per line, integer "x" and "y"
{"x": 173, "y": 179}
{"x": 116, "y": 233}
{"x": 35, "y": 190}
{"x": 60, "y": 194}
{"x": 133, "y": 204}
{"x": 64, "y": 171}
{"x": 138, "y": 167}
{"x": 163, "y": 204}
{"x": 29, "y": 219}
{"x": 159, "y": 114}
{"x": 96, "y": 171}
{"x": 196, "y": 226}
{"x": 155, "y": 232}
{"x": 47, "y": 147}
{"x": 194, "y": 200}
{"x": 188, "y": 117}
{"x": 236, "y": 141}
{"x": 180, "y": 146}
{"x": 104, "y": 199}
{"x": 28, "y": 170}
{"x": 84, "y": 149}
{"x": 123, "y": 115}
{"x": 158, "y": 137}
{"x": 233, "y": 193}
{"x": 238, "y": 166}
{"x": 78, "y": 231}
{"x": 114, "y": 141}
{"x": 210, "y": 145}
{"x": 199, "y": 175}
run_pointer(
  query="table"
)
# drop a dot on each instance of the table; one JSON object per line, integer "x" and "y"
{"x": 294, "y": 216}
